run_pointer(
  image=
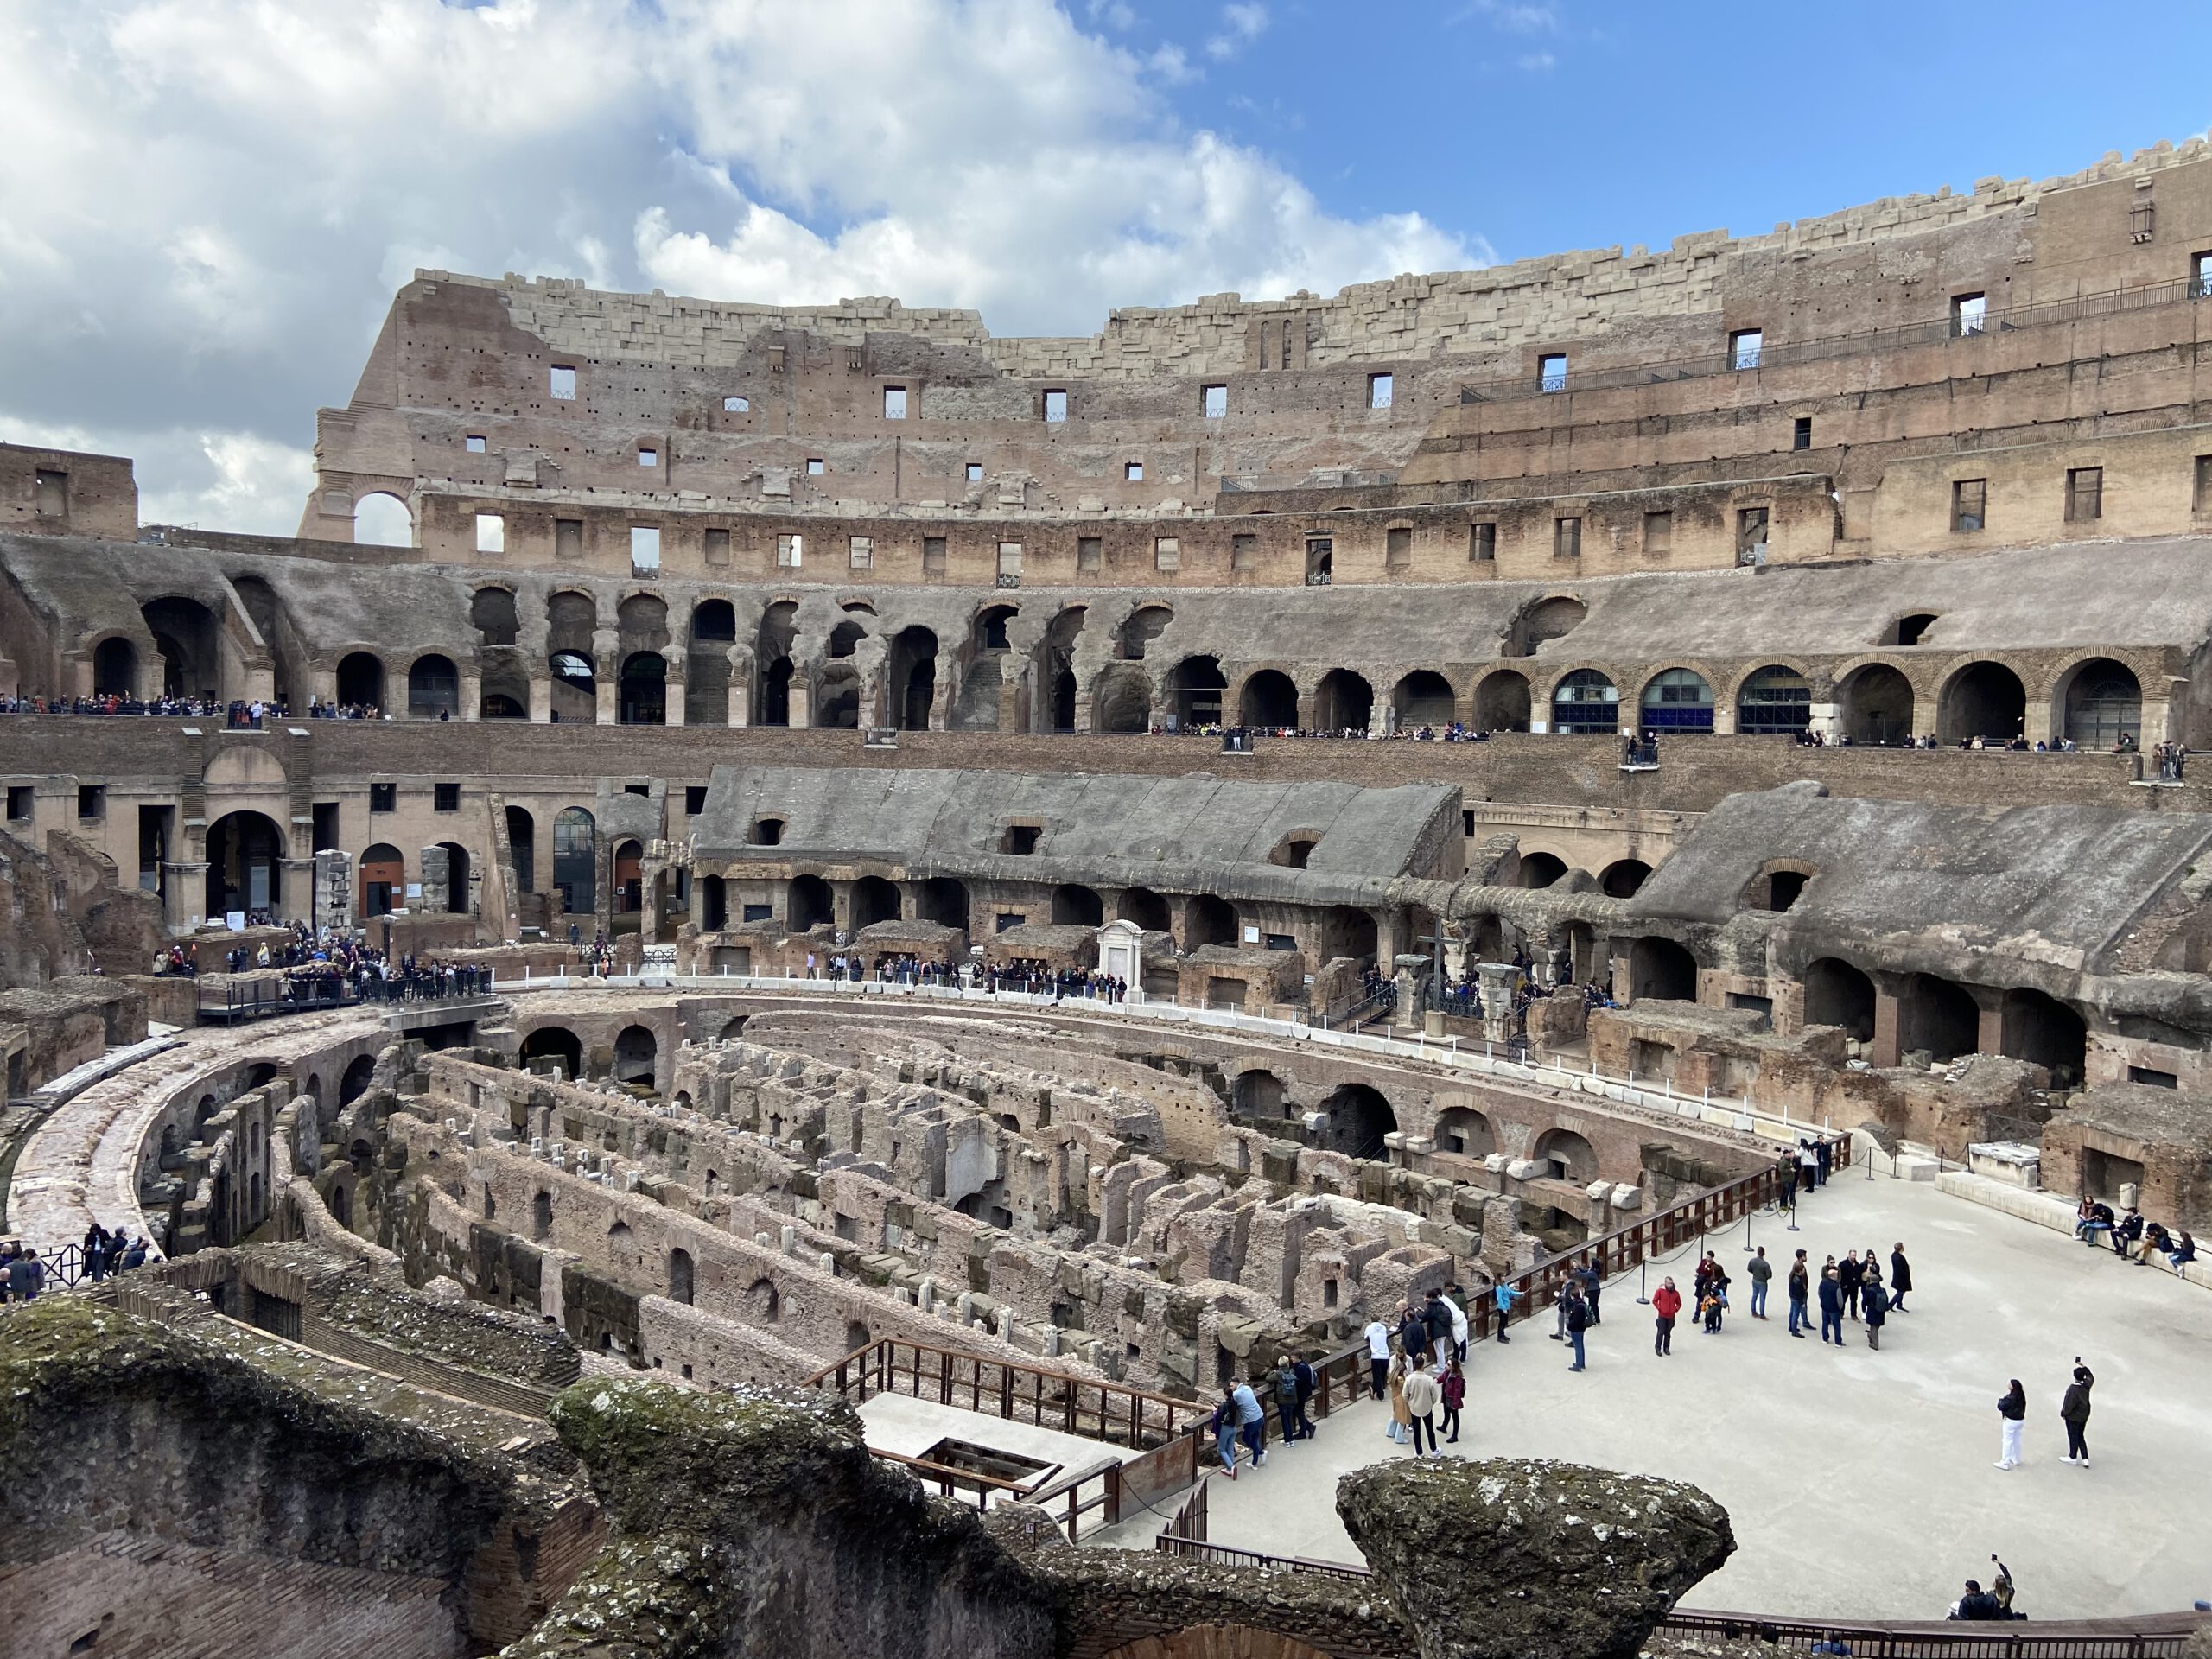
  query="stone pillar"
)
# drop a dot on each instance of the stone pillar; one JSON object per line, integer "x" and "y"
{"x": 1989, "y": 1002}
{"x": 802, "y": 701}
{"x": 472, "y": 697}
{"x": 1724, "y": 717}
{"x": 436, "y": 881}
{"x": 741, "y": 686}
{"x": 541, "y": 699}
{"x": 322, "y": 682}
{"x": 606, "y": 673}
{"x": 185, "y": 894}
{"x": 296, "y": 879}
{"x": 1497, "y": 979}
{"x": 333, "y": 890}
{"x": 1888, "y": 1008}
{"x": 678, "y": 673}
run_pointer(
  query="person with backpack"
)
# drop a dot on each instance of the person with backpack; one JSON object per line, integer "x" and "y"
{"x": 1874, "y": 1304}
{"x": 1577, "y": 1321}
{"x": 1454, "y": 1393}
{"x": 1286, "y": 1410}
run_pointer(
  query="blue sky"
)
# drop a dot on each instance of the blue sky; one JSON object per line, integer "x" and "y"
{"x": 206, "y": 206}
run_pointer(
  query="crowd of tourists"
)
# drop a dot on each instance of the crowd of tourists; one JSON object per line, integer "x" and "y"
{"x": 1026, "y": 976}
{"x": 2132, "y": 1237}
{"x": 1452, "y": 732}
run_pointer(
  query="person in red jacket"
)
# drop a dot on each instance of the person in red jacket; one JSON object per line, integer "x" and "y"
{"x": 1455, "y": 1396}
{"x": 1667, "y": 1304}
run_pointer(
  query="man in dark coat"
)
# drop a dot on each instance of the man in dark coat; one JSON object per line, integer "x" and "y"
{"x": 2074, "y": 1412}
{"x": 1900, "y": 1278}
{"x": 1831, "y": 1306}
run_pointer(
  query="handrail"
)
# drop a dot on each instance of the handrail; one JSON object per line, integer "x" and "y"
{"x": 1069, "y": 1485}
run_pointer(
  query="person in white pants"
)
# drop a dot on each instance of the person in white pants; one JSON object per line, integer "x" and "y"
{"x": 2011, "y": 1418}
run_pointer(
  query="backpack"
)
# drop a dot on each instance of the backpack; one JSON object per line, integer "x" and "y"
{"x": 1578, "y": 1316}
{"x": 1287, "y": 1385}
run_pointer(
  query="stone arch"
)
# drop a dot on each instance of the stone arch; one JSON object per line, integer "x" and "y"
{"x": 764, "y": 1303}
{"x": 1194, "y": 691}
{"x": 1258, "y": 1093}
{"x": 1348, "y": 930}
{"x": 642, "y": 699}
{"x": 1076, "y": 905}
{"x": 2044, "y": 1032}
{"x": 679, "y": 1277}
{"x": 1342, "y": 701}
{"x": 641, "y": 618}
{"x": 115, "y": 667}
{"x": 1938, "y": 1016}
{"x": 987, "y": 631}
{"x": 809, "y": 903}
{"x": 576, "y": 859}
{"x": 1540, "y": 869}
{"x": 1774, "y": 699}
{"x": 383, "y": 519}
{"x": 1502, "y": 702}
{"x": 1359, "y": 1115}
{"x": 713, "y": 904}
{"x": 773, "y": 646}
{"x": 943, "y": 899}
{"x": 876, "y": 899}
{"x": 1208, "y": 919}
{"x": 1056, "y": 669}
{"x": 571, "y": 622}
{"x": 187, "y": 637}
{"x": 1137, "y": 630}
{"x": 245, "y": 864}
{"x": 1662, "y": 968}
{"x": 910, "y": 678}
{"x": 629, "y": 873}
{"x": 1121, "y": 699}
{"x": 1622, "y": 877}
{"x": 1837, "y": 994}
{"x": 555, "y": 1043}
{"x": 636, "y": 1049}
{"x": 845, "y": 639}
{"x": 1586, "y": 703}
{"x": 353, "y": 1083}
{"x": 1675, "y": 700}
{"x": 1424, "y": 697}
{"x": 1269, "y": 698}
{"x": 1466, "y": 1131}
{"x": 1145, "y": 908}
{"x": 838, "y": 696}
{"x": 1571, "y": 1155}
{"x": 433, "y": 687}
{"x": 457, "y": 877}
{"x": 1985, "y": 699}
{"x": 1874, "y": 704}
{"x": 2097, "y": 701}
{"x": 492, "y": 614}
{"x": 1542, "y": 620}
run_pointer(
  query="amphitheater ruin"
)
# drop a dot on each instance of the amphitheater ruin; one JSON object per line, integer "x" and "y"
{"x": 1009, "y": 885}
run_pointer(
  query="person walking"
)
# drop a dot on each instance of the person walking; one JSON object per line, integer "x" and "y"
{"x": 1800, "y": 1289}
{"x": 1302, "y": 1375}
{"x": 1453, "y": 1390}
{"x": 1849, "y": 1274}
{"x": 1422, "y": 1396}
{"x": 1831, "y": 1306}
{"x": 1503, "y": 1296}
{"x": 1900, "y": 1277}
{"x": 2074, "y": 1412}
{"x": 2012, "y": 1419}
{"x": 1224, "y": 1430}
{"x": 1577, "y": 1319}
{"x": 1761, "y": 1271}
{"x": 26, "y": 1277}
{"x": 1876, "y": 1302}
{"x": 1400, "y": 1419}
{"x": 1667, "y": 1303}
{"x": 1378, "y": 1354}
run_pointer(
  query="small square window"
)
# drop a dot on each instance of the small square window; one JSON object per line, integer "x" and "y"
{"x": 491, "y": 533}
{"x": 1214, "y": 400}
{"x": 637, "y": 789}
{"x": 1380, "y": 390}
{"x": 974, "y": 470}
{"x": 1969, "y": 313}
{"x": 2202, "y": 501}
{"x": 1021, "y": 838}
{"x": 384, "y": 798}
{"x": 645, "y": 548}
{"x": 2200, "y": 275}
{"x": 1750, "y": 535}
{"x": 862, "y": 552}
{"x": 91, "y": 800}
{"x": 791, "y": 550}
{"x": 2085, "y": 494}
{"x": 1969, "y": 504}
{"x": 695, "y": 799}
{"x": 1009, "y": 919}
{"x": 1566, "y": 537}
{"x": 1009, "y": 564}
{"x": 445, "y": 797}
{"x": 1167, "y": 553}
{"x": 1551, "y": 372}
{"x": 1397, "y": 548}
{"x": 1745, "y": 346}
{"x": 760, "y": 912}
{"x": 1090, "y": 552}
{"x": 20, "y": 801}
{"x": 1801, "y": 434}
{"x": 1056, "y": 406}
{"x": 53, "y": 487}
{"x": 1243, "y": 552}
{"x": 563, "y": 381}
{"x": 1482, "y": 541}
{"x": 814, "y": 465}
{"x": 933, "y": 556}
{"x": 648, "y": 457}
{"x": 894, "y": 403}
{"x": 476, "y": 444}
{"x": 1659, "y": 532}
{"x": 717, "y": 546}
{"x": 735, "y": 405}
{"x": 1133, "y": 471}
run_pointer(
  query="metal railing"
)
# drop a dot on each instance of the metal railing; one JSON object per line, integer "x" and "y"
{"x": 1062, "y": 1497}
{"x": 1222, "y": 1555}
{"x": 264, "y": 999}
{"x": 2151, "y": 1636}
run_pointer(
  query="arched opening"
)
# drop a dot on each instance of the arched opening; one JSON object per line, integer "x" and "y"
{"x": 360, "y": 681}
{"x": 1837, "y": 994}
{"x": 381, "y": 520}
{"x": 642, "y": 621}
{"x": 1875, "y": 704}
{"x": 1144, "y": 907}
{"x": 943, "y": 900}
{"x": 642, "y": 699}
{"x": 679, "y": 1277}
{"x": 988, "y": 632}
{"x": 492, "y": 614}
{"x": 773, "y": 652}
{"x": 1194, "y": 688}
{"x": 1661, "y": 969}
{"x": 629, "y": 877}
{"x": 1501, "y": 702}
{"x": 714, "y": 622}
{"x": 1208, "y": 920}
{"x": 1774, "y": 702}
{"x": 1571, "y": 1156}
{"x": 541, "y": 1218}
{"x": 1547, "y": 620}
{"x": 554, "y": 1043}
{"x": 874, "y": 899}
{"x": 186, "y": 636}
{"x": 521, "y": 848}
{"x": 1121, "y": 701}
{"x": 808, "y": 904}
{"x": 912, "y": 678}
{"x": 2044, "y": 1032}
{"x": 1144, "y": 626}
{"x": 1542, "y": 869}
{"x": 1466, "y": 1131}
{"x": 1622, "y": 877}
{"x": 501, "y": 705}
{"x": 355, "y": 1080}
{"x": 1347, "y": 930}
{"x": 1677, "y": 700}
{"x": 575, "y": 860}
{"x": 844, "y": 638}
{"x": 380, "y": 876}
{"x": 433, "y": 687}
{"x": 1075, "y": 906}
{"x": 245, "y": 865}
{"x": 115, "y": 668}
{"x": 1342, "y": 701}
{"x": 713, "y": 904}
{"x": 1586, "y": 704}
{"x": 837, "y": 700}
{"x": 457, "y": 877}
{"x": 1984, "y": 700}
{"x": 2103, "y": 702}
{"x": 635, "y": 1047}
{"x": 1295, "y": 850}
{"x": 1910, "y": 629}
{"x": 1056, "y": 668}
{"x": 571, "y": 619}
{"x": 706, "y": 667}
{"x": 1256, "y": 1094}
{"x": 1937, "y": 1017}
{"x": 1358, "y": 1118}
{"x": 1423, "y": 698}
{"x": 763, "y": 1304}
{"x": 1268, "y": 699}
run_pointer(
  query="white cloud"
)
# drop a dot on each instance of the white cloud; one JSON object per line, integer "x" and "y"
{"x": 1241, "y": 24}
{"x": 205, "y": 205}
{"x": 1536, "y": 63}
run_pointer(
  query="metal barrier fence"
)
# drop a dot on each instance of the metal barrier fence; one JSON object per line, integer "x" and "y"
{"x": 1063, "y": 1496}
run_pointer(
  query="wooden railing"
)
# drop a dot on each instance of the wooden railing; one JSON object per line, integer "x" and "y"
{"x": 1064, "y": 1496}
{"x": 2154, "y": 1636}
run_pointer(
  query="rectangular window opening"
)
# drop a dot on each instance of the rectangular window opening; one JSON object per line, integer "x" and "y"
{"x": 1551, "y": 372}
{"x": 1021, "y": 838}
{"x": 2085, "y": 494}
{"x": 1133, "y": 471}
{"x": 894, "y": 403}
{"x": 1090, "y": 552}
{"x": 1009, "y": 564}
{"x": 645, "y": 548}
{"x": 933, "y": 556}
{"x": 1167, "y": 553}
{"x": 384, "y": 798}
{"x": 1969, "y": 313}
{"x": 569, "y": 539}
{"x": 53, "y": 493}
{"x": 1397, "y": 548}
{"x": 717, "y": 546}
{"x": 863, "y": 553}
{"x": 736, "y": 405}
{"x": 20, "y": 800}
{"x": 1969, "y": 504}
{"x": 1214, "y": 400}
{"x": 1801, "y": 434}
{"x": 1056, "y": 405}
{"x": 1381, "y": 388}
{"x": 1482, "y": 542}
{"x": 445, "y": 797}
{"x": 1750, "y": 536}
{"x": 975, "y": 472}
{"x": 1243, "y": 552}
{"x": 1009, "y": 919}
{"x": 476, "y": 444}
{"x": 1745, "y": 346}
{"x": 491, "y": 533}
{"x": 695, "y": 799}
{"x": 91, "y": 800}
{"x": 563, "y": 381}
{"x": 814, "y": 465}
{"x": 1567, "y": 539}
{"x": 791, "y": 552}
{"x": 648, "y": 457}
{"x": 1659, "y": 532}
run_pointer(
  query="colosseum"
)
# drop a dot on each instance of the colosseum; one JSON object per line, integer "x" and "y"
{"x": 730, "y": 999}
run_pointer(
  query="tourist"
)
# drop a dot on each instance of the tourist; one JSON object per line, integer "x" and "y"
{"x": 1420, "y": 1395}
{"x": 1286, "y": 1402}
{"x": 1849, "y": 1276}
{"x": 2182, "y": 1253}
{"x": 1761, "y": 1271}
{"x": 1808, "y": 1163}
{"x": 1441, "y": 1340}
{"x": 1251, "y": 1421}
{"x": 136, "y": 1256}
{"x": 1713, "y": 1303}
{"x": 1455, "y": 1309}
{"x": 2013, "y": 1416}
{"x": 2125, "y": 1235}
{"x": 1594, "y": 1286}
{"x": 1503, "y": 1296}
{"x": 1976, "y": 1604}
{"x": 26, "y": 1277}
{"x": 1831, "y": 1305}
{"x": 1876, "y": 1302}
{"x": 1900, "y": 1277}
{"x": 1307, "y": 1383}
{"x": 1224, "y": 1430}
{"x": 2091, "y": 1219}
{"x": 1412, "y": 1336}
{"x": 2001, "y": 1587}
{"x": 2155, "y": 1239}
{"x": 1453, "y": 1389}
{"x": 1401, "y": 1420}
{"x": 1666, "y": 1305}
{"x": 1378, "y": 1353}
{"x": 1577, "y": 1318}
{"x": 1801, "y": 1288}
{"x": 2074, "y": 1412}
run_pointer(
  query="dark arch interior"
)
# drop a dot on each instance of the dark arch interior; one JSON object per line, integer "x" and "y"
{"x": 433, "y": 687}
{"x": 1208, "y": 920}
{"x": 1542, "y": 869}
{"x": 360, "y": 681}
{"x": 1984, "y": 700}
{"x": 1662, "y": 968}
{"x": 1268, "y": 699}
{"x": 1123, "y": 700}
{"x": 1343, "y": 701}
{"x": 1145, "y": 908}
{"x": 245, "y": 868}
{"x": 115, "y": 668}
{"x": 1075, "y": 906}
{"x": 1194, "y": 691}
{"x": 874, "y": 899}
{"x": 943, "y": 900}
{"x": 810, "y": 903}
{"x": 555, "y": 1043}
{"x": 1359, "y": 1119}
{"x": 1621, "y": 879}
{"x": 1877, "y": 705}
{"x": 1256, "y": 1094}
{"x": 492, "y": 614}
{"x": 635, "y": 1047}
{"x": 1837, "y": 994}
{"x": 1423, "y": 698}
{"x": 1501, "y": 704}
{"x": 1939, "y": 1017}
{"x": 2044, "y": 1032}
{"x": 642, "y": 699}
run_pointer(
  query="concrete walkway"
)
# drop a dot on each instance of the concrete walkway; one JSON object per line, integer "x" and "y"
{"x": 1860, "y": 1483}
